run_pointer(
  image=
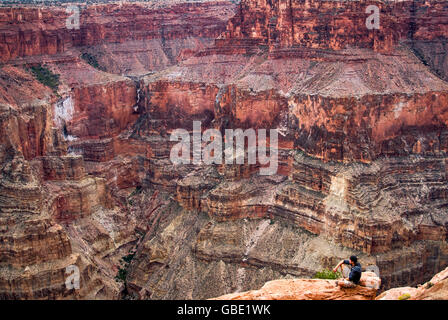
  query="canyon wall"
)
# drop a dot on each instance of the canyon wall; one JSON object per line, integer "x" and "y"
{"x": 317, "y": 289}
{"x": 324, "y": 24}
{"x": 66, "y": 168}
{"x": 361, "y": 117}
{"x": 29, "y": 31}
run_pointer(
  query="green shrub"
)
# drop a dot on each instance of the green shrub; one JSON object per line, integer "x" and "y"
{"x": 123, "y": 271}
{"x": 128, "y": 258}
{"x": 46, "y": 77}
{"x": 137, "y": 191}
{"x": 328, "y": 274}
{"x": 90, "y": 59}
{"x": 405, "y": 296}
{"x": 429, "y": 285}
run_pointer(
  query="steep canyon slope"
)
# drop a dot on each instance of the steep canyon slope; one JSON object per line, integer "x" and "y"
{"x": 86, "y": 177}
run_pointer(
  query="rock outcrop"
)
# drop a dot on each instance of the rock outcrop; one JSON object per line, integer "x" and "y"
{"x": 41, "y": 187}
{"x": 133, "y": 36}
{"x": 86, "y": 177}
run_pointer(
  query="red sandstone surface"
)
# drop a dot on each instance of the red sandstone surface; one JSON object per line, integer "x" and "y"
{"x": 86, "y": 177}
{"x": 307, "y": 289}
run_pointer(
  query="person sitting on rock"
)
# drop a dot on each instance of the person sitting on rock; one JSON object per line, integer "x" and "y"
{"x": 355, "y": 273}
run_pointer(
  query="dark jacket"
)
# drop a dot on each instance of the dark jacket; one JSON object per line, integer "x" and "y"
{"x": 355, "y": 272}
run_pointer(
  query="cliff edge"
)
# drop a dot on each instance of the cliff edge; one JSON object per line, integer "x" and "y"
{"x": 310, "y": 289}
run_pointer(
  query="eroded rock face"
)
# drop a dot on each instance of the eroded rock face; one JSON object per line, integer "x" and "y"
{"x": 86, "y": 176}
{"x": 66, "y": 168}
{"x": 340, "y": 97}
{"x": 346, "y": 109}
{"x": 306, "y": 289}
{"x": 284, "y": 24}
{"x": 316, "y": 289}
{"x": 192, "y": 256}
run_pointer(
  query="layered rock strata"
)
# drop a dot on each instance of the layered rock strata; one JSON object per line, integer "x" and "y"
{"x": 86, "y": 171}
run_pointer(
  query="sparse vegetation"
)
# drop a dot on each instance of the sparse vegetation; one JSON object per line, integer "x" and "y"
{"x": 46, "y": 77}
{"x": 404, "y": 296}
{"x": 429, "y": 285}
{"x": 327, "y": 274}
{"x": 91, "y": 60}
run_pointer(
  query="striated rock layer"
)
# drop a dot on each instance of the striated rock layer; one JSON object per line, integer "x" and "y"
{"x": 281, "y": 24}
{"x": 307, "y": 289}
{"x": 170, "y": 31}
{"x": 67, "y": 169}
{"x": 362, "y": 117}
{"x": 435, "y": 289}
